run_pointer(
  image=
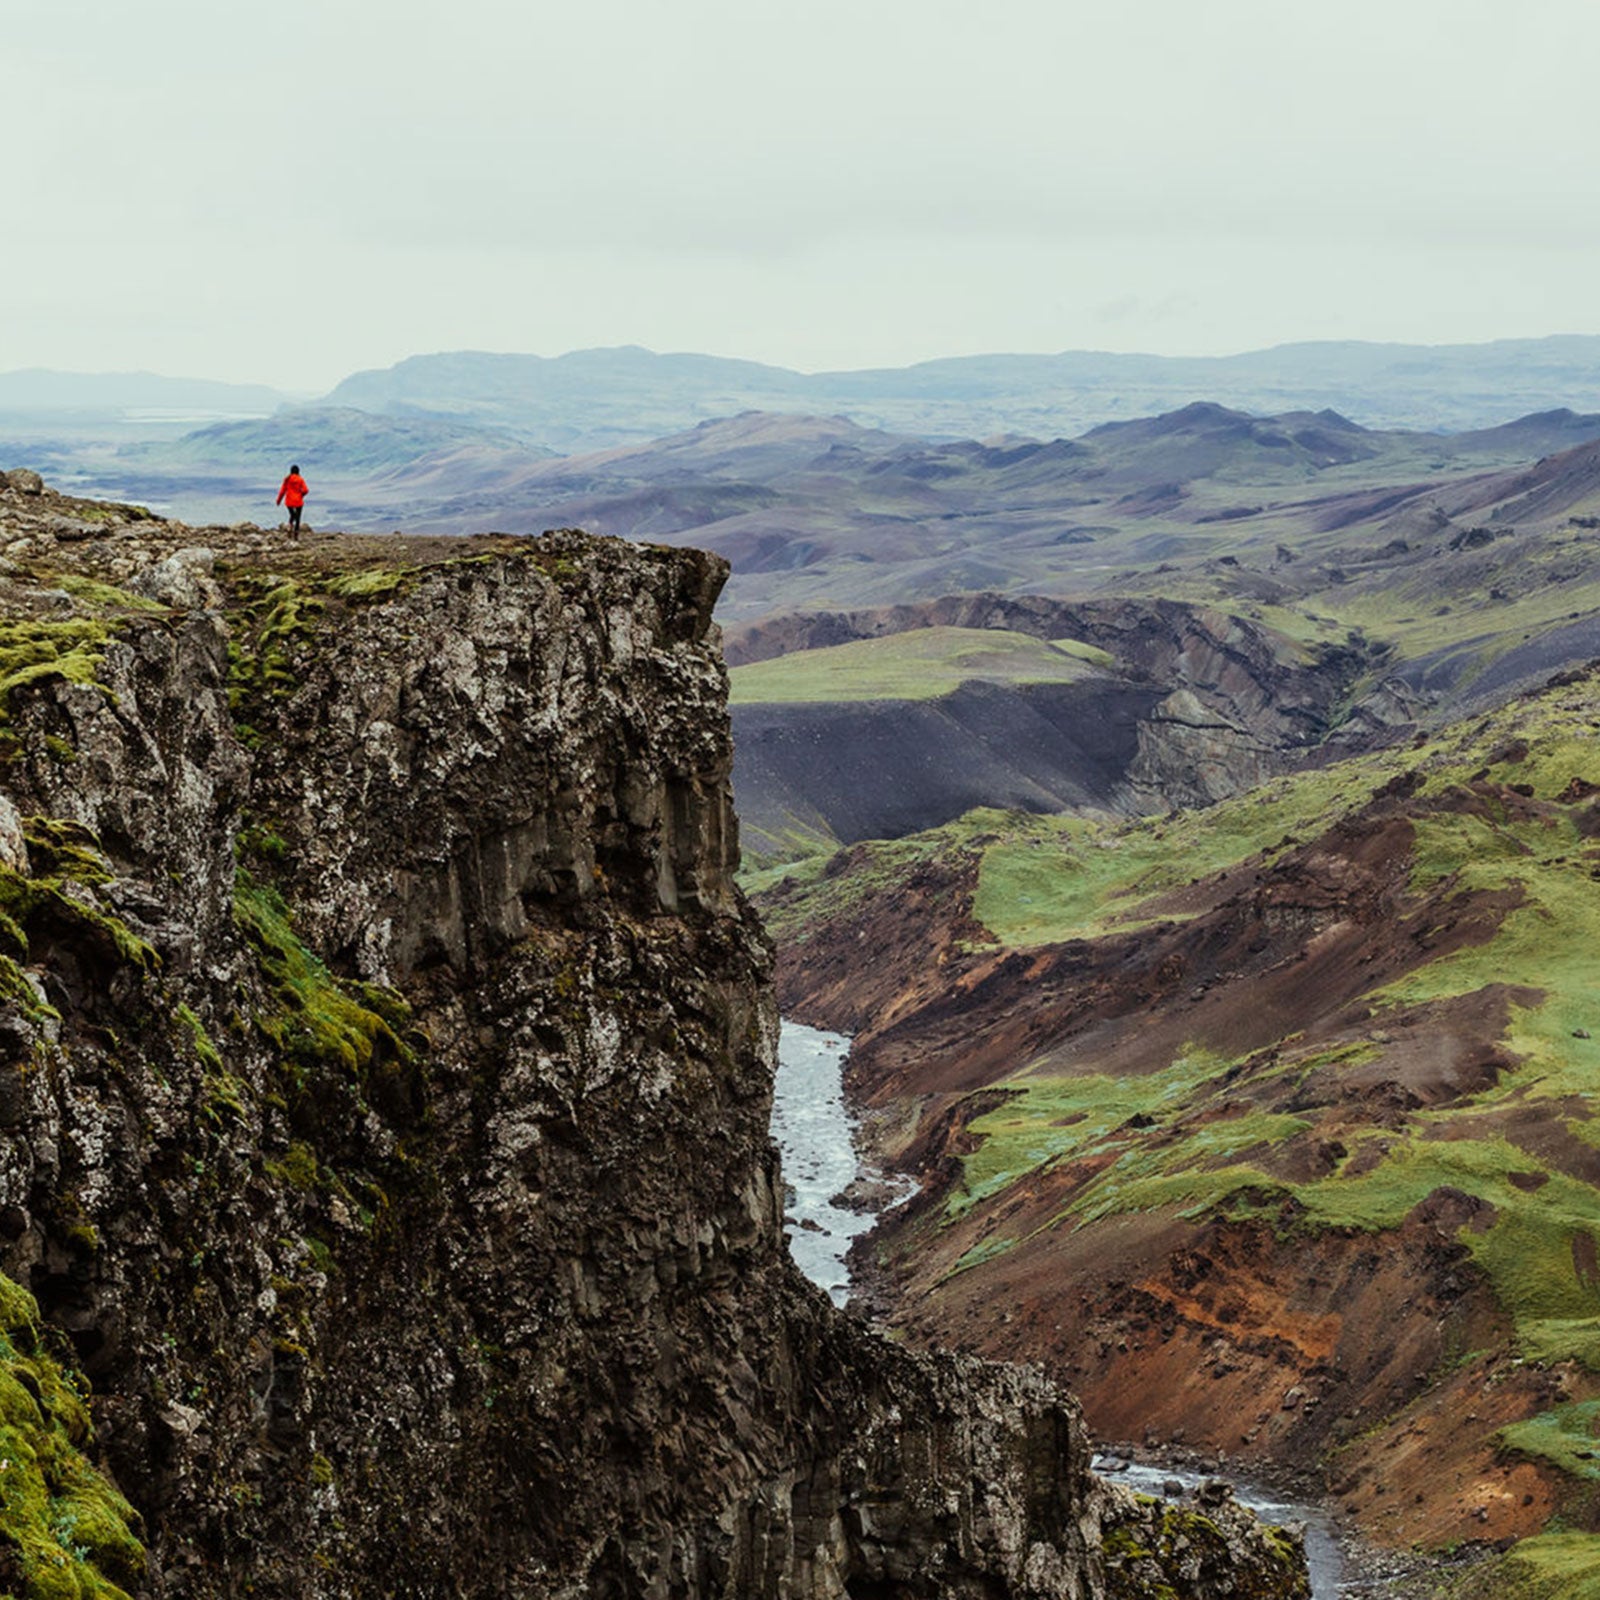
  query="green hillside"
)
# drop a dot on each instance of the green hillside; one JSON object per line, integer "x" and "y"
{"x": 1324, "y": 1010}
{"x": 921, "y": 665}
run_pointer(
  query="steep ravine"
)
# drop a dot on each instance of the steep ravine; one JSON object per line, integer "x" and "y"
{"x": 388, "y": 1064}
{"x": 816, "y": 1133}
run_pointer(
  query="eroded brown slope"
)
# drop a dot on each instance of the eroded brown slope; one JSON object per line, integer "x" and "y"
{"x": 1237, "y": 1197}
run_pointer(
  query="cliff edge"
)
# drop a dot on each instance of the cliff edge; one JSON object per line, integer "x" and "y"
{"x": 385, "y": 1074}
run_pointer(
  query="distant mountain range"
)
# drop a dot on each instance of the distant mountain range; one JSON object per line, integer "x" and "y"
{"x": 80, "y": 409}
{"x": 820, "y": 513}
{"x": 594, "y": 397}
{"x": 591, "y": 399}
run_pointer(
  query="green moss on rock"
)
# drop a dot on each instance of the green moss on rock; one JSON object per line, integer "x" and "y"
{"x": 34, "y": 648}
{"x": 59, "y": 893}
{"x": 65, "y": 1532}
{"x": 321, "y": 1023}
{"x": 1159, "y": 1551}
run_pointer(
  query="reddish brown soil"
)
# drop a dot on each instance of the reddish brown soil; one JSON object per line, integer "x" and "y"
{"x": 1316, "y": 931}
{"x": 1264, "y": 1340}
{"x": 890, "y": 956}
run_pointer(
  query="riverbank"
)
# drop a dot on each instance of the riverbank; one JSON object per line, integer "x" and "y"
{"x": 1344, "y": 1565}
{"x": 832, "y": 1200}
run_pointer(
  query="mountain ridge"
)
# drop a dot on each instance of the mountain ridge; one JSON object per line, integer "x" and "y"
{"x": 1394, "y": 384}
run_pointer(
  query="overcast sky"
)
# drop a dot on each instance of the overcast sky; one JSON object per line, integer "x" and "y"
{"x": 287, "y": 192}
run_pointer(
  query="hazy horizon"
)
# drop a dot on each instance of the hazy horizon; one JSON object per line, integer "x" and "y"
{"x": 302, "y": 394}
{"x": 296, "y": 195}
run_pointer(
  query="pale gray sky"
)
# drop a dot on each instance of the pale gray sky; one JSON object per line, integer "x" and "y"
{"x": 288, "y": 192}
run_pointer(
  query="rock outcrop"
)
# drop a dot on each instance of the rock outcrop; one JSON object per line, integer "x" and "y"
{"x": 387, "y": 1067}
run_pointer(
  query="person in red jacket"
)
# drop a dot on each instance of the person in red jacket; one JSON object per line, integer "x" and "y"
{"x": 293, "y": 495}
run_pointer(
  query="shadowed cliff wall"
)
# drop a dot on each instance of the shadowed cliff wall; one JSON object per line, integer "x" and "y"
{"x": 384, "y": 1110}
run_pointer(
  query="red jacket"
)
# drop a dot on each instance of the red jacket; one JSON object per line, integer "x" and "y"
{"x": 293, "y": 492}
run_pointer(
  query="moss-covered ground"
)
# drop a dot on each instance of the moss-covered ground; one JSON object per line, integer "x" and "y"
{"x": 275, "y": 615}
{"x": 35, "y": 648}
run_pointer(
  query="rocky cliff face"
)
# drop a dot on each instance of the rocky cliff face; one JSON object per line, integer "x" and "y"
{"x": 1190, "y": 705}
{"x": 387, "y": 1064}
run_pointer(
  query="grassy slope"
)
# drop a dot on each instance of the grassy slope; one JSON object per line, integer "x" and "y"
{"x": 921, "y": 665}
{"x": 1209, "y": 1135}
{"x": 1098, "y": 877}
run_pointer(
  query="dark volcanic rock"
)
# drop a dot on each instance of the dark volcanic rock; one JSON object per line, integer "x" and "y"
{"x": 878, "y": 769}
{"x": 388, "y": 1067}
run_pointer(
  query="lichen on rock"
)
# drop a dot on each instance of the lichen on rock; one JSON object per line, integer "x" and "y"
{"x": 385, "y": 1074}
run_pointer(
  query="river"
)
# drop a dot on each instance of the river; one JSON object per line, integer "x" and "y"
{"x": 813, "y": 1128}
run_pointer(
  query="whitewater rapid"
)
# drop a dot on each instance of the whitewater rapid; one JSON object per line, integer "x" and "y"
{"x": 813, "y": 1129}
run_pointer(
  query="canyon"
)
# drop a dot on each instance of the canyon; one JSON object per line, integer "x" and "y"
{"x": 1268, "y": 1127}
{"x": 387, "y": 1200}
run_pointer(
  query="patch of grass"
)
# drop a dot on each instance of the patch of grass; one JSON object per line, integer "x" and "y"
{"x": 769, "y": 851}
{"x": 71, "y": 1534}
{"x": 1138, "y": 1132}
{"x": 200, "y": 1039}
{"x": 997, "y": 1244}
{"x": 298, "y": 1167}
{"x": 274, "y": 615}
{"x": 1547, "y": 943}
{"x": 1092, "y": 653}
{"x": 1048, "y": 879}
{"x": 376, "y": 583}
{"x": 833, "y": 887}
{"x": 63, "y": 847}
{"x": 1552, "y": 1566}
{"x": 921, "y": 664}
{"x": 1059, "y": 1119}
{"x": 1527, "y": 1252}
{"x": 263, "y": 841}
{"x": 755, "y": 878}
{"x": 1568, "y": 1437}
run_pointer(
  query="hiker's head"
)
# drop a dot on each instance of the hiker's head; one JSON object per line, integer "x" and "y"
{"x": 295, "y": 467}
